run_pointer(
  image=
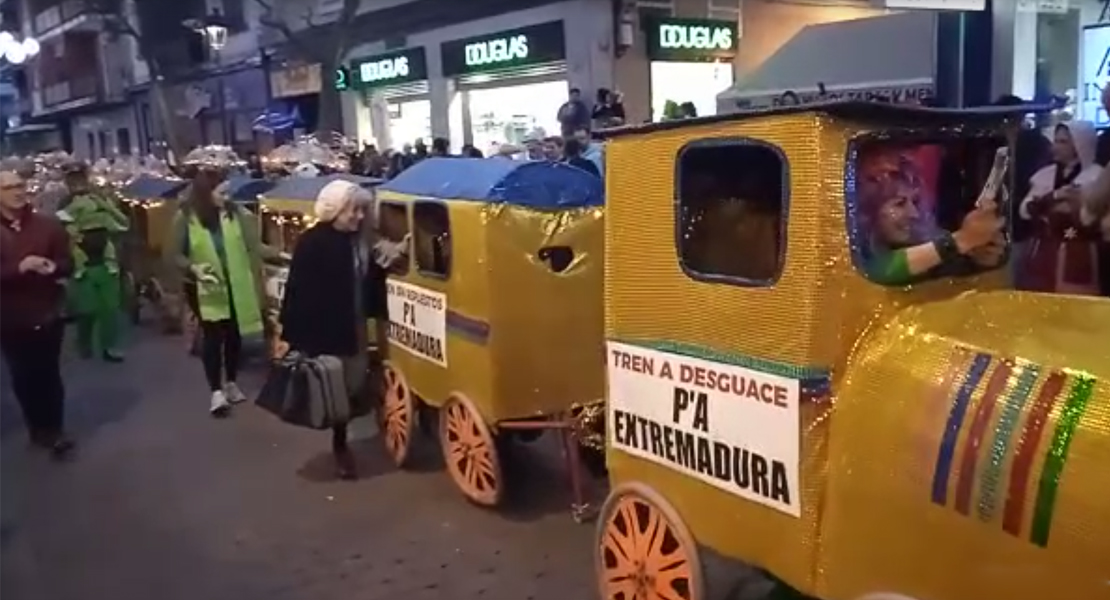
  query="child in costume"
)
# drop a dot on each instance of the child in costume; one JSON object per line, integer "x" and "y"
{"x": 94, "y": 221}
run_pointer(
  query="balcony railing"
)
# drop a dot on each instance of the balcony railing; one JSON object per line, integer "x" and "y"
{"x": 58, "y": 15}
{"x": 67, "y": 91}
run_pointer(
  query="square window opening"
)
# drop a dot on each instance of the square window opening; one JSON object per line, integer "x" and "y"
{"x": 912, "y": 191}
{"x": 394, "y": 226}
{"x": 731, "y": 208}
{"x": 433, "y": 239}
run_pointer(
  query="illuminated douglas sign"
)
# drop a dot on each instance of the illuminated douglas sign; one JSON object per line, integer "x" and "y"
{"x": 394, "y": 68}
{"x": 691, "y": 40}
{"x": 522, "y": 47}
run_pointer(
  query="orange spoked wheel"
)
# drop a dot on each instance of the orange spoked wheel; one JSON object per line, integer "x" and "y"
{"x": 398, "y": 415}
{"x": 643, "y": 551}
{"x": 470, "y": 452}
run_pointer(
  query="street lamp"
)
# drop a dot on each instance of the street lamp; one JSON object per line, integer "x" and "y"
{"x": 214, "y": 29}
{"x": 15, "y": 51}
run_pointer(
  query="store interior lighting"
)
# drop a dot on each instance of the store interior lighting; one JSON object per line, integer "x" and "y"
{"x": 16, "y": 51}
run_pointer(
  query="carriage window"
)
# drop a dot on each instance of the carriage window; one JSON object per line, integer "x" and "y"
{"x": 731, "y": 198}
{"x": 432, "y": 242}
{"x": 394, "y": 225}
{"x": 905, "y": 194}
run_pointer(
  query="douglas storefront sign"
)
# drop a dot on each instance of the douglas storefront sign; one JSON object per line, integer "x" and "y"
{"x": 522, "y": 47}
{"x": 691, "y": 40}
{"x": 394, "y": 68}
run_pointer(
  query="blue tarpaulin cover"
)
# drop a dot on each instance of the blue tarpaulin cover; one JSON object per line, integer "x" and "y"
{"x": 242, "y": 188}
{"x": 146, "y": 187}
{"x": 307, "y": 188}
{"x": 534, "y": 184}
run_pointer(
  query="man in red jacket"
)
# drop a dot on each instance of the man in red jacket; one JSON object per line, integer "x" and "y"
{"x": 35, "y": 261}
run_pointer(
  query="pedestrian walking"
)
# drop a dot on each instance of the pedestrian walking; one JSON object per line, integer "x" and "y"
{"x": 35, "y": 260}
{"x": 336, "y": 283}
{"x": 216, "y": 247}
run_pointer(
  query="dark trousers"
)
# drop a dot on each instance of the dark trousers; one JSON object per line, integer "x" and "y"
{"x": 34, "y": 362}
{"x": 221, "y": 346}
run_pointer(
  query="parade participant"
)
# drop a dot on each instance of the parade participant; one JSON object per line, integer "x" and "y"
{"x": 34, "y": 262}
{"x": 216, "y": 247}
{"x": 336, "y": 282}
{"x": 1063, "y": 256}
{"x": 93, "y": 221}
{"x": 899, "y": 249}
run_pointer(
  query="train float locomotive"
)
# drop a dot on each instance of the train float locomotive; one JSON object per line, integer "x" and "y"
{"x": 780, "y": 417}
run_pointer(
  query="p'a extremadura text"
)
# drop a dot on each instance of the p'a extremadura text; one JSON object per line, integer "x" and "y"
{"x": 740, "y": 467}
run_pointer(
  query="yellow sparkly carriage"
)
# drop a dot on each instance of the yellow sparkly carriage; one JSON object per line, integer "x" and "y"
{"x": 496, "y": 319}
{"x": 778, "y": 422}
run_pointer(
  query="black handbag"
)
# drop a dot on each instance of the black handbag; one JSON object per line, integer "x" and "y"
{"x": 306, "y": 392}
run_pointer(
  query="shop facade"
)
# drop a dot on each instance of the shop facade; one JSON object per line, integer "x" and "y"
{"x": 1053, "y": 48}
{"x": 485, "y": 82}
{"x": 690, "y": 60}
{"x": 394, "y": 89}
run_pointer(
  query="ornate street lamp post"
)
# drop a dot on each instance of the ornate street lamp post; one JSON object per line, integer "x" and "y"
{"x": 215, "y": 30}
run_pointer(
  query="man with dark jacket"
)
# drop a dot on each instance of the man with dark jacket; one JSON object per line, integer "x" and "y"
{"x": 573, "y": 114}
{"x": 1032, "y": 150}
{"x": 35, "y": 261}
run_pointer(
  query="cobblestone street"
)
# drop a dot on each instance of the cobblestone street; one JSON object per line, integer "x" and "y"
{"x": 164, "y": 502}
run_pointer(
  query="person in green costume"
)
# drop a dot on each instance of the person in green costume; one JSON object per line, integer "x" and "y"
{"x": 217, "y": 248}
{"x": 94, "y": 221}
{"x": 898, "y": 249}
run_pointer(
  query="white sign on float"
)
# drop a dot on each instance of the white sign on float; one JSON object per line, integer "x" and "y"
{"x": 733, "y": 428}
{"x": 1096, "y": 74}
{"x": 418, "y": 321}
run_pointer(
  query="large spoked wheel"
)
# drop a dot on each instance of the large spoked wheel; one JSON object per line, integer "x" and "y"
{"x": 397, "y": 416}
{"x": 470, "y": 452}
{"x": 643, "y": 551}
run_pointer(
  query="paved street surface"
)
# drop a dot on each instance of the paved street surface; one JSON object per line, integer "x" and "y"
{"x": 164, "y": 502}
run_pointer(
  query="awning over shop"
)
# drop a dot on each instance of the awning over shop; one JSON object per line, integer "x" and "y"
{"x": 891, "y": 57}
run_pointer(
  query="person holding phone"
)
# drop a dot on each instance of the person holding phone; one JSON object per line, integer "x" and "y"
{"x": 35, "y": 260}
{"x": 217, "y": 248}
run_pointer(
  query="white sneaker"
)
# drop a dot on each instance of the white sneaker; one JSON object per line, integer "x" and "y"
{"x": 219, "y": 406}
{"x": 233, "y": 393}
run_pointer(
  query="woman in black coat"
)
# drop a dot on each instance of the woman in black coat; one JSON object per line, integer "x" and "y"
{"x": 336, "y": 282}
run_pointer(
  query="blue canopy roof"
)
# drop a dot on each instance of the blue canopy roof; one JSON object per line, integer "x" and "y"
{"x": 146, "y": 187}
{"x": 307, "y": 188}
{"x": 535, "y": 184}
{"x": 243, "y": 188}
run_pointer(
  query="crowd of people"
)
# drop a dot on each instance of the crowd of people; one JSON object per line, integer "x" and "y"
{"x": 574, "y": 145}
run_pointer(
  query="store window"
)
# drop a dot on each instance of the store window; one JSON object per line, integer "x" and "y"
{"x": 905, "y": 193}
{"x": 514, "y": 114}
{"x": 393, "y": 222}
{"x": 433, "y": 239}
{"x": 731, "y": 210}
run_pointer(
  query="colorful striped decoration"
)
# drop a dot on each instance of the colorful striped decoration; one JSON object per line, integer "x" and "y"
{"x": 943, "y": 469}
{"x": 995, "y": 386}
{"x": 1004, "y": 440}
{"x": 1007, "y": 394}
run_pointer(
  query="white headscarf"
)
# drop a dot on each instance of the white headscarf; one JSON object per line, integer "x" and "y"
{"x": 334, "y": 198}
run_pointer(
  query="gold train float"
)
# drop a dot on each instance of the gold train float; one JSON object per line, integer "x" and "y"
{"x": 777, "y": 421}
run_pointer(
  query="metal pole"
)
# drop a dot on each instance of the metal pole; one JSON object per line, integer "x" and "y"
{"x": 220, "y": 83}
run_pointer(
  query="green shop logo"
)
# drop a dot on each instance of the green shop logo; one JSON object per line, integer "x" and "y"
{"x": 342, "y": 79}
{"x": 384, "y": 70}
